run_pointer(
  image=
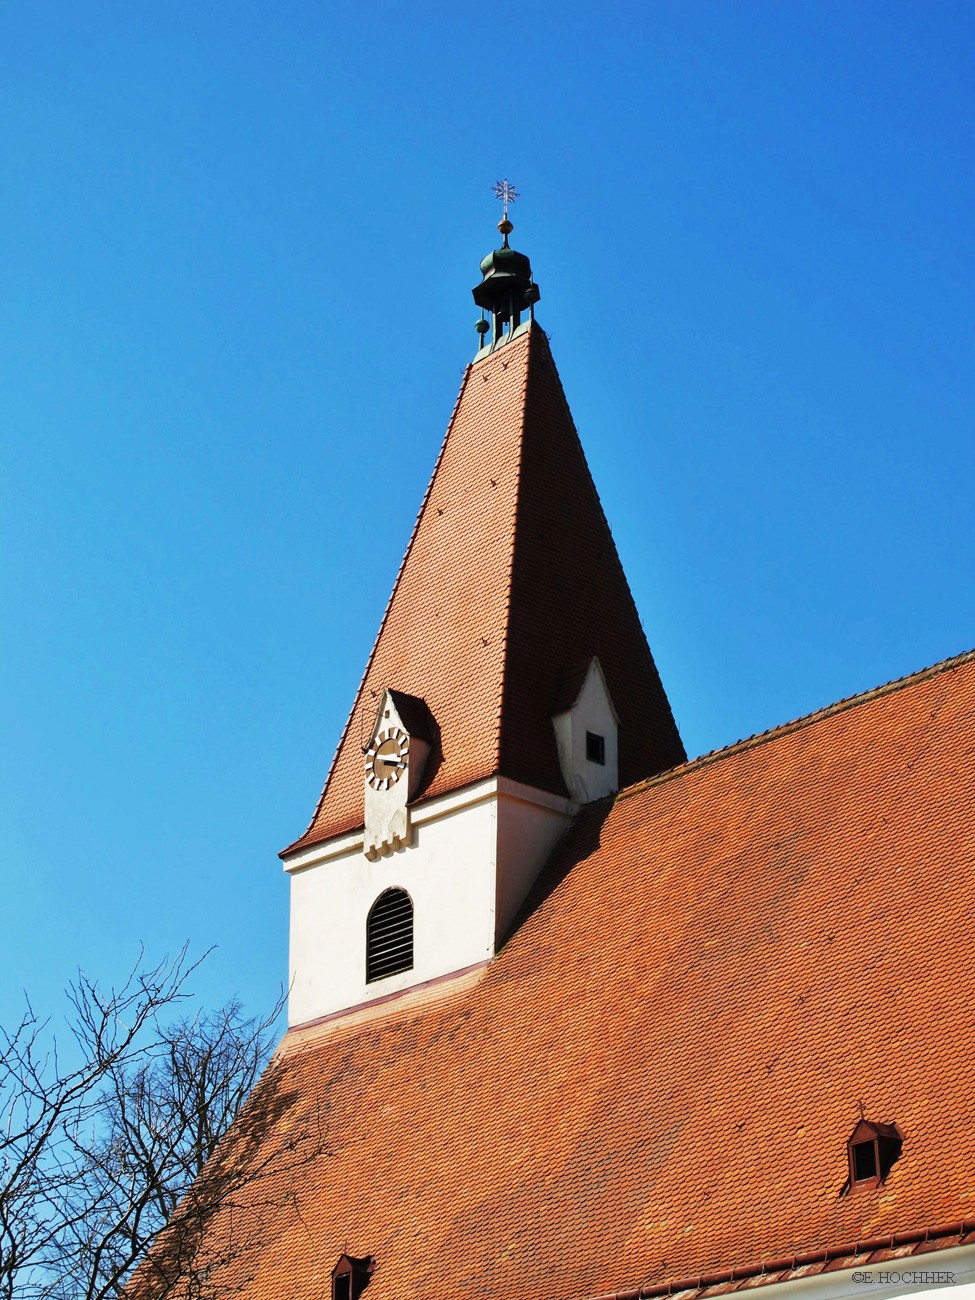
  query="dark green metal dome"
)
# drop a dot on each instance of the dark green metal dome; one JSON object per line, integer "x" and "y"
{"x": 507, "y": 288}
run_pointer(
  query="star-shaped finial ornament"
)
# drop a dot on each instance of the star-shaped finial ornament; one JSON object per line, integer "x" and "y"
{"x": 507, "y": 193}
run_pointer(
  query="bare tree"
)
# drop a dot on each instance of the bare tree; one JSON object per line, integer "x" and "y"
{"x": 95, "y": 1159}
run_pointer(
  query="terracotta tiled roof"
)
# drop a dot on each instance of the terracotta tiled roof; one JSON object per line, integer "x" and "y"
{"x": 654, "y": 1080}
{"x": 510, "y": 579}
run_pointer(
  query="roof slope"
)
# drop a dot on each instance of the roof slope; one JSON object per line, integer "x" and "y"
{"x": 657, "y": 1076}
{"x": 510, "y": 579}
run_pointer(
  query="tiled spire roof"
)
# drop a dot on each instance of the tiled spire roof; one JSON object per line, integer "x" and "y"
{"x": 511, "y": 578}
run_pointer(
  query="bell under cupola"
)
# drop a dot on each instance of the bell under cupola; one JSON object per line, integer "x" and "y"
{"x": 510, "y": 683}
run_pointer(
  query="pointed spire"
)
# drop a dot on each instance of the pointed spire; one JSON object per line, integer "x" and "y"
{"x": 507, "y": 288}
{"x": 511, "y": 580}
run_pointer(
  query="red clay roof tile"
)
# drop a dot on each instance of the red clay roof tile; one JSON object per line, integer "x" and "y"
{"x": 655, "y": 1079}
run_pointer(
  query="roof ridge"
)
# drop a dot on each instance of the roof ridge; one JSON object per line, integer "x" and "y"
{"x": 599, "y": 503}
{"x": 570, "y": 599}
{"x": 499, "y": 721}
{"x": 389, "y": 605}
{"x": 797, "y": 724}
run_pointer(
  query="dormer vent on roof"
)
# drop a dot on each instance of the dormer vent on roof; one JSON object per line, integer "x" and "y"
{"x": 587, "y": 733}
{"x": 507, "y": 289}
{"x": 872, "y": 1149}
{"x": 351, "y": 1275}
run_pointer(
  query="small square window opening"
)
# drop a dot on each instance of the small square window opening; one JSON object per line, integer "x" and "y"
{"x": 595, "y": 748}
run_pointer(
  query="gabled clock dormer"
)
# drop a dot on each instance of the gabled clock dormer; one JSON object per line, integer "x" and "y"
{"x": 395, "y": 760}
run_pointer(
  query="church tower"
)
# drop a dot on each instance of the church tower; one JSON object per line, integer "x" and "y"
{"x": 509, "y": 685}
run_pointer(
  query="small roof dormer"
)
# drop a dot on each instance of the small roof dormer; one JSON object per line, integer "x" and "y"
{"x": 351, "y": 1275}
{"x": 587, "y": 733}
{"x": 872, "y": 1149}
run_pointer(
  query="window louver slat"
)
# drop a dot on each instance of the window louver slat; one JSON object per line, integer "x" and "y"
{"x": 384, "y": 937}
{"x": 384, "y": 949}
{"x": 391, "y": 924}
{"x": 391, "y": 956}
{"x": 389, "y": 935}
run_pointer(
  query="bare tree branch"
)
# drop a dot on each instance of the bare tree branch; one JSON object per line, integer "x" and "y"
{"x": 96, "y": 1160}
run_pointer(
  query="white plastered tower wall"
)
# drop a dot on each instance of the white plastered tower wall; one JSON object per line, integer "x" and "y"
{"x": 467, "y": 860}
{"x": 475, "y": 854}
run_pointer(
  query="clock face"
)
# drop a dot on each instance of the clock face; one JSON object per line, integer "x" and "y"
{"x": 386, "y": 758}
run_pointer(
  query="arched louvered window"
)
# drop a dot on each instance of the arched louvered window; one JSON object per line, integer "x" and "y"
{"x": 389, "y": 935}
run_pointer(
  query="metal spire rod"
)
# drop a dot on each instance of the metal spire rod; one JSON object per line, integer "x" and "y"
{"x": 507, "y": 193}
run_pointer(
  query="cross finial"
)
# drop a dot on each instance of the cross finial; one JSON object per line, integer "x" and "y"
{"x": 507, "y": 193}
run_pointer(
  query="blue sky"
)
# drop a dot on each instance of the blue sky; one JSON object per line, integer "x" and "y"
{"x": 237, "y": 243}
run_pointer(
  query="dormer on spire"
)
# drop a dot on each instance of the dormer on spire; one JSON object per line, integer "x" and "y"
{"x": 402, "y": 736}
{"x": 507, "y": 288}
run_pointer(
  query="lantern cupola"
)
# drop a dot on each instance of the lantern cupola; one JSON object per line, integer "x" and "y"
{"x": 507, "y": 290}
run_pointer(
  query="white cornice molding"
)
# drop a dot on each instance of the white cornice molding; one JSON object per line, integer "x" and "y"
{"x": 428, "y": 810}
